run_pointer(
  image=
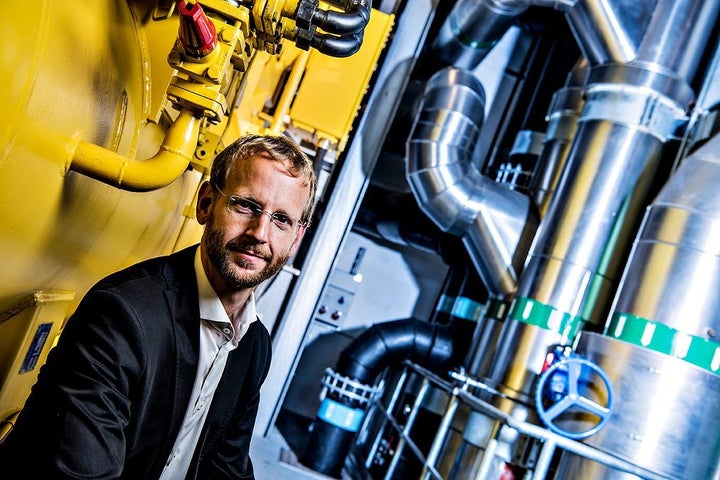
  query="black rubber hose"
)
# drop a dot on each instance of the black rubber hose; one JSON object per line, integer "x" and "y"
{"x": 384, "y": 344}
{"x": 353, "y": 20}
{"x": 334, "y": 46}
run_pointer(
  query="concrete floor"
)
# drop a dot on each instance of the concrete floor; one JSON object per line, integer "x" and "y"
{"x": 274, "y": 460}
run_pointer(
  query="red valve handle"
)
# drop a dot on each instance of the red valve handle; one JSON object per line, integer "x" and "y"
{"x": 196, "y": 32}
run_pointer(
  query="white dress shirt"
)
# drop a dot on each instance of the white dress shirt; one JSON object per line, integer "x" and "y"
{"x": 218, "y": 337}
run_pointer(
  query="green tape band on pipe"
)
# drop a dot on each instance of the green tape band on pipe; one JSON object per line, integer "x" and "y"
{"x": 661, "y": 338}
{"x": 532, "y": 312}
{"x": 496, "y": 309}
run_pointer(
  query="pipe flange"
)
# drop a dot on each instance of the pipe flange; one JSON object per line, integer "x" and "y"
{"x": 645, "y": 77}
{"x": 636, "y": 107}
{"x": 344, "y": 387}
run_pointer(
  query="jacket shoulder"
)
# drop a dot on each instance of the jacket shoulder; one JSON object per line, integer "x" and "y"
{"x": 160, "y": 272}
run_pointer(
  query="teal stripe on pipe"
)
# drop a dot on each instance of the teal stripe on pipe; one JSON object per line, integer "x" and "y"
{"x": 466, "y": 308}
{"x": 341, "y": 415}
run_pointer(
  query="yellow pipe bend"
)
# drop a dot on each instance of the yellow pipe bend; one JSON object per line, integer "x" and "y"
{"x": 171, "y": 160}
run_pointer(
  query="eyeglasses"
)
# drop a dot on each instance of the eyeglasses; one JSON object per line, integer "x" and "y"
{"x": 245, "y": 207}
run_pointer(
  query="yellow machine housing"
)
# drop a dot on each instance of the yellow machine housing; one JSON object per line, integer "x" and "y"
{"x": 96, "y": 76}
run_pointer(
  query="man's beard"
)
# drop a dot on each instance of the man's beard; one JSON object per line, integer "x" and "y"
{"x": 220, "y": 258}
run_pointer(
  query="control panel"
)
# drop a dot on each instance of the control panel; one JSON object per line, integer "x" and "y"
{"x": 334, "y": 304}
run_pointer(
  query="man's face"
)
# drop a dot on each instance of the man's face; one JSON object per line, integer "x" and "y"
{"x": 245, "y": 250}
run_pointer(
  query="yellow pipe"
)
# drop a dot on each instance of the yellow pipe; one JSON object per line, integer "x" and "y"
{"x": 290, "y": 91}
{"x": 171, "y": 160}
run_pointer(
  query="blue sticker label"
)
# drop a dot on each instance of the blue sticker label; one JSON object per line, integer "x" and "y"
{"x": 33, "y": 354}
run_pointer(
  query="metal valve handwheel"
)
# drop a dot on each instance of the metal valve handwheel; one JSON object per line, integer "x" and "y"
{"x": 559, "y": 391}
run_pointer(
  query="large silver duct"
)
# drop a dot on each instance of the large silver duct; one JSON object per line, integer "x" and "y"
{"x": 472, "y": 29}
{"x": 630, "y": 111}
{"x": 642, "y": 58}
{"x": 495, "y": 223}
{"x": 607, "y": 31}
{"x": 661, "y": 347}
{"x": 562, "y": 124}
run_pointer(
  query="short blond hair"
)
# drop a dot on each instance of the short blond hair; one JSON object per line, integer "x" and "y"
{"x": 279, "y": 148}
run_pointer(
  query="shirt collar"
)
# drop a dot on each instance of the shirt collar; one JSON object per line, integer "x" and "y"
{"x": 211, "y": 308}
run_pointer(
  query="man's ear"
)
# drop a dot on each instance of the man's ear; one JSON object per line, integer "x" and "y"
{"x": 298, "y": 239}
{"x": 204, "y": 203}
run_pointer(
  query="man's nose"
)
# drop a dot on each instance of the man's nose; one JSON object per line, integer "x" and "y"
{"x": 259, "y": 226}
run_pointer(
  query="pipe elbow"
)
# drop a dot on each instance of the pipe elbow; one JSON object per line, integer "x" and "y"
{"x": 337, "y": 46}
{"x": 445, "y": 198}
{"x": 395, "y": 341}
{"x": 439, "y": 166}
{"x": 353, "y": 20}
{"x": 494, "y": 222}
{"x": 171, "y": 160}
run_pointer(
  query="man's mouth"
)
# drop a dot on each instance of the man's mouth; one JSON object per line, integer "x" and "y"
{"x": 248, "y": 252}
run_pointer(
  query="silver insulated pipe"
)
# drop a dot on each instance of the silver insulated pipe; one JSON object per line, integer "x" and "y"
{"x": 496, "y": 224}
{"x": 472, "y": 29}
{"x": 631, "y": 110}
{"x": 661, "y": 347}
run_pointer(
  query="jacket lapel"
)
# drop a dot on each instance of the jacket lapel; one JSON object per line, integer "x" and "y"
{"x": 182, "y": 301}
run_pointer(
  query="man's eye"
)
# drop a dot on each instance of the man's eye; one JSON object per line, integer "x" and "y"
{"x": 244, "y": 204}
{"x": 282, "y": 220}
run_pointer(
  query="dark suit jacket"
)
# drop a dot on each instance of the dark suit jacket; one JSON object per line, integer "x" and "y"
{"x": 112, "y": 395}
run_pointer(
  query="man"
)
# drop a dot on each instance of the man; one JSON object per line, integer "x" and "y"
{"x": 157, "y": 373}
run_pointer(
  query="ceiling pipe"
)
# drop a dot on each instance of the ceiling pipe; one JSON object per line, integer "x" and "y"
{"x": 606, "y": 31}
{"x": 472, "y": 29}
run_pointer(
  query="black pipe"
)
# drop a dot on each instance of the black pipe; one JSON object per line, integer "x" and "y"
{"x": 337, "y": 46}
{"x": 354, "y": 19}
{"x": 383, "y": 344}
{"x": 341, "y": 412}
